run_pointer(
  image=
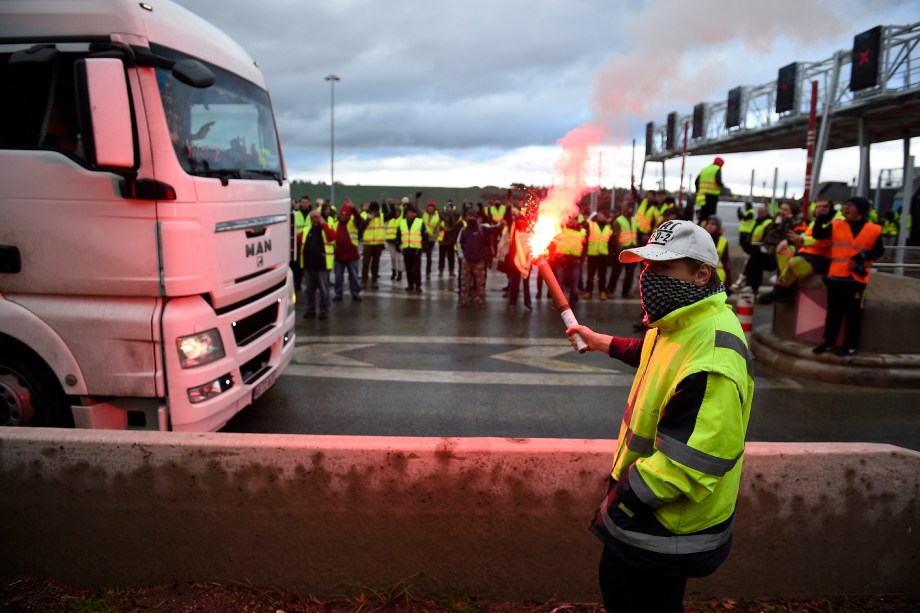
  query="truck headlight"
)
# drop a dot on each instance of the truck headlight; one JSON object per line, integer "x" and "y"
{"x": 201, "y": 348}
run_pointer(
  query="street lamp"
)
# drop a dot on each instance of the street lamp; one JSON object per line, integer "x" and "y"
{"x": 332, "y": 79}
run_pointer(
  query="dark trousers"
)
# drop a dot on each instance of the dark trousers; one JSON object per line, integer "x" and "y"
{"x": 597, "y": 266}
{"x": 514, "y": 287}
{"x": 629, "y": 590}
{"x": 756, "y": 265}
{"x": 845, "y": 299}
{"x": 712, "y": 204}
{"x": 449, "y": 253}
{"x": 317, "y": 280}
{"x": 413, "y": 260}
{"x": 298, "y": 273}
{"x": 371, "y": 263}
{"x": 428, "y": 248}
{"x": 628, "y": 271}
{"x": 566, "y": 268}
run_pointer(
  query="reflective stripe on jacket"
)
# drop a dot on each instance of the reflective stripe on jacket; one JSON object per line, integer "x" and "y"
{"x": 683, "y": 470}
{"x": 628, "y": 236}
{"x": 643, "y": 217}
{"x": 598, "y": 240}
{"x": 392, "y": 227}
{"x": 844, "y": 246}
{"x": 411, "y": 237}
{"x": 375, "y": 232}
{"x": 570, "y": 242}
{"x": 708, "y": 184}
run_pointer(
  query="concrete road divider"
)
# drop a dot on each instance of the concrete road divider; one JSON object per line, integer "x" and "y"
{"x": 504, "y": 519}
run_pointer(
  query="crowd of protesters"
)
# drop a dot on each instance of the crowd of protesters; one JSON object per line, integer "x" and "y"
{"x": 468, "y": 242}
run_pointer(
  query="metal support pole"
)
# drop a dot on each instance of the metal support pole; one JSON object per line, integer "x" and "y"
{"x": 862, "y": 183}
{"x": 751, "y": 195}
{"x": 830, "y": 96}
{"x": 906, "y": 206}
{"x": 332, "y": 79}
{"x": 775, "y": 180}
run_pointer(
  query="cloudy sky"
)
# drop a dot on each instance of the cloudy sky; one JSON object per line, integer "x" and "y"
{"x": 490, "y": 92}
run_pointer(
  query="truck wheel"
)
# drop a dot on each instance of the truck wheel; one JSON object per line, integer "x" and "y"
{"x": 29, "y": 393}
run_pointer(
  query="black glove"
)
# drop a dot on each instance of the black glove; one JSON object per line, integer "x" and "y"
{"x": 859, "y": 263}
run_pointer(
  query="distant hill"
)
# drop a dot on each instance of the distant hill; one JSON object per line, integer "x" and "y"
{"x": 369, "y": 193}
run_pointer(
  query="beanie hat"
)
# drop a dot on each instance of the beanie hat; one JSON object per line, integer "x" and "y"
{"x": 862, "y": 204}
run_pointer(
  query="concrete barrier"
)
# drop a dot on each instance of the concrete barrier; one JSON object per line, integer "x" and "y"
{"x": 502, "y": 519}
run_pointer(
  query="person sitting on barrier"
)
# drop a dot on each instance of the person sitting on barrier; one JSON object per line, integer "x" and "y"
{"x": 855, "y": 244}
{"x": 811, "y": 257}
{"x": 763, "y": 257}
{"x": 669, "y": 511}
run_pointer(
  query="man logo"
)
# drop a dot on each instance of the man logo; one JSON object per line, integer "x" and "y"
{"x": 664, "y": 233}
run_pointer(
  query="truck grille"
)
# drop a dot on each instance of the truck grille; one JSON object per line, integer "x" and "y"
{"x": 250, "y": 328}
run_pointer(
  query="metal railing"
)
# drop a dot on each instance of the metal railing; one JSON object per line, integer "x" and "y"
{"x": 899, "y": 73}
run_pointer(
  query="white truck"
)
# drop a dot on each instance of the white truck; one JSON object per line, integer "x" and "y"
{"x": 144, "y": 220}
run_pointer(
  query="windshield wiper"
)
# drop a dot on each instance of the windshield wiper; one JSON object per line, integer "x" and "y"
{"x": 224, "y": 174}
{"x": 274, "y": 174}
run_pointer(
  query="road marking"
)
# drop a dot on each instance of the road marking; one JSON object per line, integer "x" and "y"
{"x": 402, "y": 375}
{"x": 328, "y": 354}
{"x": 319, "y": 356}
{"x": 542, "y": 357}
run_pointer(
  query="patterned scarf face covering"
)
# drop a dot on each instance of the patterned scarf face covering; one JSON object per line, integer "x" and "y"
{"x": 661, "y": 294}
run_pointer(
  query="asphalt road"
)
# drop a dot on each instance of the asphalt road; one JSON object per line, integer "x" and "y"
{"x": 400, "y": 364}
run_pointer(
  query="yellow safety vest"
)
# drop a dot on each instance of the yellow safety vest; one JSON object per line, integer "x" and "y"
{"x": 598, "y": 240}
{"x": 643, "y": 220}
{"x": 708, "y": 183}
{"x": 628, "y": 236}
{"x": 720, "y": 249}
{"x": 392, "y": 227}
{"x": 431, "y": 222}
{"x": 328, "y": 248}
{"x": 760, "y": 229}
{"x": 748, "y": 219}
{"x": 687, "y": 471}
{"x": 570, "y": 242}
{"x": 497, "y": 213}
{"x": 411, "y": 237}
{"x": 375, "y": 232}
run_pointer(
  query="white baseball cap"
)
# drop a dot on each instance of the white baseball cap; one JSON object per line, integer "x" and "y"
{"x": 674, "y": 240}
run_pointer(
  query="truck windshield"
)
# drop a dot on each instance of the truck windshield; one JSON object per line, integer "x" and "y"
{"x": 226, "y": 130}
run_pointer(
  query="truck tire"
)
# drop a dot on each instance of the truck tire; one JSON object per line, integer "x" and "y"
{"x": 29, "y": 393}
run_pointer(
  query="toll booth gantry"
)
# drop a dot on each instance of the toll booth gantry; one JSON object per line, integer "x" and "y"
{"x": 879, "y": 102}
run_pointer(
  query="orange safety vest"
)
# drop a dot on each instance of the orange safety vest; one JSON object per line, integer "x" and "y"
{"x": 844, "y": 246}
{"x": 813, "y": 246}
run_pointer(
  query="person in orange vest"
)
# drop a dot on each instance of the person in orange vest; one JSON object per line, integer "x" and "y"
{"x": 855, "y": 244}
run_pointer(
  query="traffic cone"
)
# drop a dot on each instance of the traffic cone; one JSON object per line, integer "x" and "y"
{"x": 746, "y": 314}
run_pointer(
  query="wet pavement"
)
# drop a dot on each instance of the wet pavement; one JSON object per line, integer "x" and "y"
{"x": 407, "y": 364}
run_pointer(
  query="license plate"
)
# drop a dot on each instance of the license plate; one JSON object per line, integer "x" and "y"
{"x": 264, "y": 385}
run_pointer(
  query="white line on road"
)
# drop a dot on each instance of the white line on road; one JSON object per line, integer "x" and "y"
{"x": 317, "y": 356}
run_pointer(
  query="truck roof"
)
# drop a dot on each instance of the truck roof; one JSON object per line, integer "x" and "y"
{"x": 164, "y": 22}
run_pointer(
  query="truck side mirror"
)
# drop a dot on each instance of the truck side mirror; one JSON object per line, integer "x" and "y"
{"x": 106, "y": 119}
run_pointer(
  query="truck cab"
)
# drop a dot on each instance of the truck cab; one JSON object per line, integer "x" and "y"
{"x": 144, "y": 279}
